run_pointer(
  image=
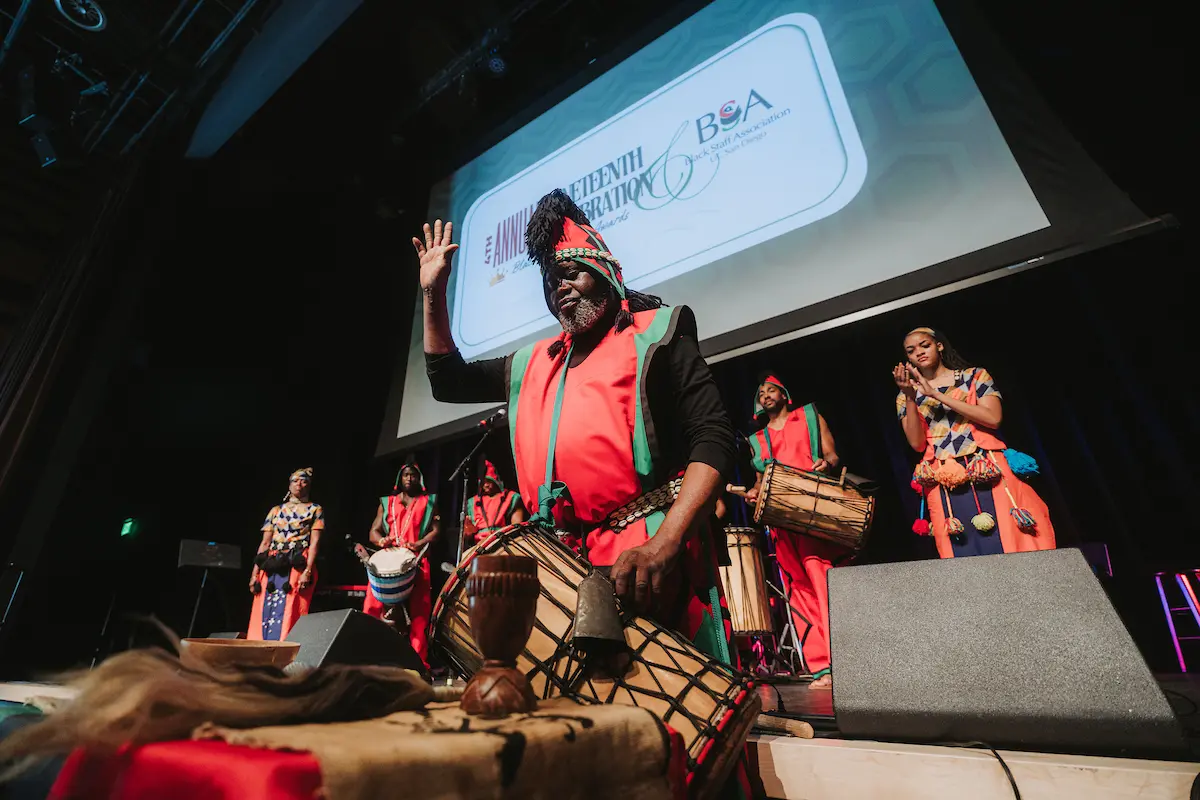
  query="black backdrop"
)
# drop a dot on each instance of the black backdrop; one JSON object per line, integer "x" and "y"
{"x": 281, "y": 301}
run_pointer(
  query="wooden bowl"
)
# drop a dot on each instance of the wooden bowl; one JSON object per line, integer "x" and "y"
{"x": 241, "y": 652}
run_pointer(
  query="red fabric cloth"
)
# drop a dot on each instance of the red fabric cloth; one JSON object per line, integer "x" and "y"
{"x": 297, "y": 604}
{"x": 791, "y": 444}
{"x": 1012, "y": 538}
{"x": 805, "y": 563}
{"x": 209, "y": 770}
{"x": 188, "y": 771}
{"x": 595, "y": 429}
{"x": 419, "y": 603}
{"x": 407, "y": 524}
{"x": 491, "y": 512}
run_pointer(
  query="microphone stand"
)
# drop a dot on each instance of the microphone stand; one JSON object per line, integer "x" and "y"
{"x": 464, "y": 469}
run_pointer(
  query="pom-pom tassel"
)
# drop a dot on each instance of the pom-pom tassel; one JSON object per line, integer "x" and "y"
{"x": 287, "y": 587}
{"x": 954, "y": 526}
{"x": 923, "y": 474}
{"x": 1025, "y": 521}
{"x": 982, "y": 521}
{"x": 950, "y": 474}
{"x": 921, "y": 526}
{"x": 1021, "y": 464}
{"x": 981, "y": 471}
{"x": 624, "y": 316}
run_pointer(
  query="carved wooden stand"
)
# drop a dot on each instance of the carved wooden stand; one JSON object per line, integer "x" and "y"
{"x": 502, "y": 592}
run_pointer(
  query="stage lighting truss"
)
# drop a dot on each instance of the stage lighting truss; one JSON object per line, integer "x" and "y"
{"x": 85, "y": 14}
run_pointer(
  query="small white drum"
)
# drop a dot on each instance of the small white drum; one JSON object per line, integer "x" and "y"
{"x": 392, "y": 573}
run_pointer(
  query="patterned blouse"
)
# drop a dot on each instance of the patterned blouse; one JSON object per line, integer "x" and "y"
{"x": 951, "y": 434}
{"x": 291, "y": 524}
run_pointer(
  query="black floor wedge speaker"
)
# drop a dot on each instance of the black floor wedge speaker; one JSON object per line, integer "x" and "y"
{"x": 1022, "y": 650}
{"x": 351, "y": 637}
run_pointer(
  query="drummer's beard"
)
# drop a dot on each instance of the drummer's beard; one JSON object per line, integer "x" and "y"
{"x": 584, "y": 316}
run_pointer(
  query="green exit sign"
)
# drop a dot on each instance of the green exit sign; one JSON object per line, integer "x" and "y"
{"x": 130, "y": 527}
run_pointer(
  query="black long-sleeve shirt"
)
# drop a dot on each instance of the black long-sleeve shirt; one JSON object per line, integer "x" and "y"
{"x": 689, "y": 418}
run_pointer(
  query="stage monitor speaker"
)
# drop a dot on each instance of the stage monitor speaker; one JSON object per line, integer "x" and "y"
{"x": 351, "y": 637}
{"x": 1021, "y": 650}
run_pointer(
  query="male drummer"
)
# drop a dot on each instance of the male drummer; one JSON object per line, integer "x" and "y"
{"x": 407, "y": 517}
{"x": 495, "y": 507}
{"x": 628, "y": 403}
{"x": 800, "y": 438}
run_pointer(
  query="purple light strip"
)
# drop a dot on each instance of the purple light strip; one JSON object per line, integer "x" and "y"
{"x": 1170, "y": 622}
{"x": 1190, "y": 595}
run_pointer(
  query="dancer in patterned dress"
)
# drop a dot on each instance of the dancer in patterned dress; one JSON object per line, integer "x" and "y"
{"x": 284, "y": 575}
{"x": 951, "y": 413}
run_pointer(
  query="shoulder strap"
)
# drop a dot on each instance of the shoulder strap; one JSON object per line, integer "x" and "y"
{"x": 430, "y": 509}
{"x": 814, "y": 430}
{"x": 666, "y": 322}
{"x": 383, "y": 501}
{"x": 518, "y": 362}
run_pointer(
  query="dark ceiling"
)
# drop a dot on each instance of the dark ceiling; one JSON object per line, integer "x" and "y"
{"x": 97, "y": 95}
{"x": 402, "y": 94}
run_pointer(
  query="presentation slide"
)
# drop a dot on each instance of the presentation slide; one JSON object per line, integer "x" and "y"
{"x": 760, "y": 157}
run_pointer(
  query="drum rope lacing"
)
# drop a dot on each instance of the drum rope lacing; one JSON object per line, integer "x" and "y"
{"x": 565, "y": 672}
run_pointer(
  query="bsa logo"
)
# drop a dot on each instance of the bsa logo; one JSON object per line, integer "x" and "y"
{"x": 729, "y": 116}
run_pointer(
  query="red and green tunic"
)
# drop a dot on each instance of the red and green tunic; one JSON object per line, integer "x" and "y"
{"x": 585, "y": 435}
{"x": 797, "y": 444}
{"x": 491, "y": 512}
{"x": 405, "y": 524}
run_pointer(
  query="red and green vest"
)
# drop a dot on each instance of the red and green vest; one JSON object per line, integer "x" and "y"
{"x": 407, "y": 523}
{"x": 490, "y": 512}
{"x": 584, "y": 443}
{"x": 797, "y": 444}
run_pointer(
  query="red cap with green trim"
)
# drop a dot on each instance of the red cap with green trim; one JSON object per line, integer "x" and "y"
{"x": 771, "y": 379}
{"x": 490, "y": 475}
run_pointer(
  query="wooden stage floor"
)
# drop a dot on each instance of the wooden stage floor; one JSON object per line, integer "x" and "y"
{"x": 831, "y": 768}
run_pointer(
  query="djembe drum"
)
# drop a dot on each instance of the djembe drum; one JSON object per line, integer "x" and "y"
{"x": 710, "y": 705}
{"x": 814, "y": 504}
{"x": 392, "y": 573}
{"x": 745, "y": 585}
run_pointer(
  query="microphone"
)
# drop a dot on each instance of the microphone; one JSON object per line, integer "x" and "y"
{"x": 499, "y": 418}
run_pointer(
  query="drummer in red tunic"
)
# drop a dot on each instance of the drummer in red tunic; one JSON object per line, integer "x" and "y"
{"x": 798, "y": 437}
{"x": 495, "y": 507}
{"x": 407, "y": 518}
{"x": 614, "y": 407}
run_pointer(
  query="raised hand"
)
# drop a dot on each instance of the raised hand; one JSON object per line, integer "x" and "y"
{"x": 922, "y": 383}
{"x": 435, "y": 252}
{"x": 901, "y": 377}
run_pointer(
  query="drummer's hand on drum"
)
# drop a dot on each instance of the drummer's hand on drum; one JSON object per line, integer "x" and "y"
{"x": 821, "y": 465}
{"x": 435, "y": 252}
{"x": 638, "y": 576}
{"x": 751, "y": 496}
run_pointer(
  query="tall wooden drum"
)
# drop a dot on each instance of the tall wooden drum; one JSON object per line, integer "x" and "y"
{"x": 744, "y": 582}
